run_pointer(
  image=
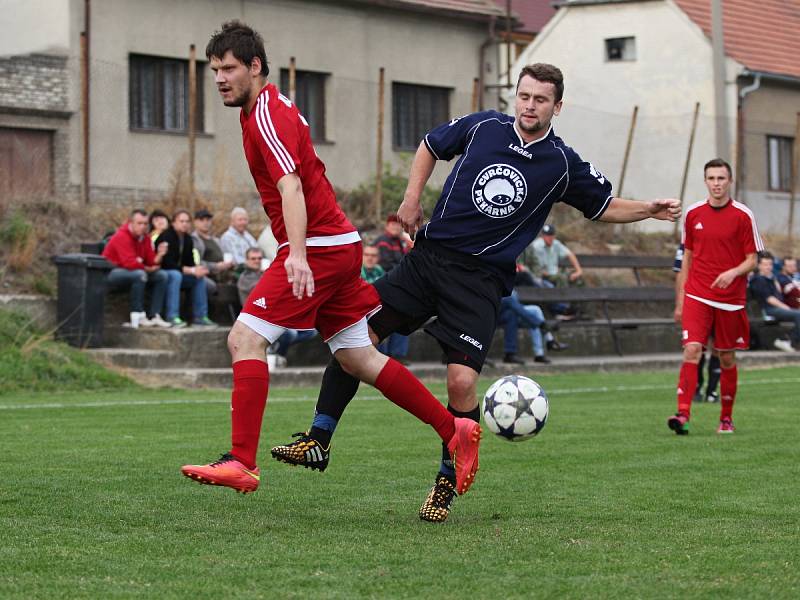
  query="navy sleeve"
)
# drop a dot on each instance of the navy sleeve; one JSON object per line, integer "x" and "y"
{"x": 676, "y": 266}
{"x": 588, "y": 190}
{"x": 450, "y": 139}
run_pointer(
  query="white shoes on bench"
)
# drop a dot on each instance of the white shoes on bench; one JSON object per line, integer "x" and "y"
{"x": 784, "y": 345}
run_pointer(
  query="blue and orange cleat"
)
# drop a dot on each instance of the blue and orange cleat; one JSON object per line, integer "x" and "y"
{"x": 726, "y": 426}
{"x": 679, "y": 423}
{"x": 227, "y": 472}
{"x": 463, "y": 448}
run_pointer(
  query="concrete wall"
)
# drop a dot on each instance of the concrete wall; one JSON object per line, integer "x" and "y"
{"x": 348, "y": 41}
{"x": 672, "y": 71}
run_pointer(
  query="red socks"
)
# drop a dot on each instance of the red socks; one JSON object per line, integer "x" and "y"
{"x": 248, "y": 399}
{"x": 728, "y": 380}
{"x": 401, "y": 387}
{"x": 687, "y": 383}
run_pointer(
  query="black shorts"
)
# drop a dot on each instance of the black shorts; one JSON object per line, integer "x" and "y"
{"x": 461, "y": 293}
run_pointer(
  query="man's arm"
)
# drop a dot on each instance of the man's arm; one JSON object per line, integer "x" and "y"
{"x": 629, "y": 211}
{"x": 410, "y": 212}
{"x": 725, "y": 278}
{"x": 293, "y": 203}
{"x": 680, "y": 282}
{"x": 577, "y": 272}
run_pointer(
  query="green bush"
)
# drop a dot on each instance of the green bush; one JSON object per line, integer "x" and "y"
{"x": 30, "y": 361}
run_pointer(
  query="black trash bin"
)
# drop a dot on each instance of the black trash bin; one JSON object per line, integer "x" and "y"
{"x": 81, "y": 298}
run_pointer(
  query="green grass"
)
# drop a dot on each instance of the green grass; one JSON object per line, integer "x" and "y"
{"x": 31, "y": 361}
{"x": 606, "y": 502}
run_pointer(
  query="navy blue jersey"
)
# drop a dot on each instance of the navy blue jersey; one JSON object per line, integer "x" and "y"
{"x": 501, "y": 190}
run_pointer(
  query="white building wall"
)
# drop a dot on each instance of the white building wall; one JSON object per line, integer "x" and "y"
{"x": 672, "y": 71}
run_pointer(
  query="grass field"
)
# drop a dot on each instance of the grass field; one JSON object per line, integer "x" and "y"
{"x": 606, "y": 502}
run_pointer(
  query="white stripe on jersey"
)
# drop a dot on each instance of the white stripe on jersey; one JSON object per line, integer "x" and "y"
{"x": 278, "y": 143}
{"x": 286, "y": 168}
{"x": 686, "y": 217}
{"x": 756, "y": 238}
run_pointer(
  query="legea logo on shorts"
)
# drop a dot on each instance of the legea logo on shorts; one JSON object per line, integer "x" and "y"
{"x": 499, "y": 191}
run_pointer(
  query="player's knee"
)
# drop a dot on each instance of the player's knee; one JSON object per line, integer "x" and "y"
{"x": 692, "y": 352}
{"x": 727, "y": 360}
{"x": 461, "y": 389}
{"x": 243, "y": 341}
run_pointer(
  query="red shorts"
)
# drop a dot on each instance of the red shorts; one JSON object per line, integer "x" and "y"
{"x": 341, "y": 298}
{"x": 730, "y": 328}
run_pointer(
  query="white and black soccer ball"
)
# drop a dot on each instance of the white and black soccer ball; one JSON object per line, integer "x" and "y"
{"x": 515, "y": 408}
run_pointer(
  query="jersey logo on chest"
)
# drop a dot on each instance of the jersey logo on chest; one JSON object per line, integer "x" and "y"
{"x": 499, "y": 190}
{"x": 519, "y": 150}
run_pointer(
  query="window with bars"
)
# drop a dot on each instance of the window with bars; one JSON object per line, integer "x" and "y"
{"x": 159, "y": 93}
{"x": 779, "y": 162}
{"x": 415, "y": 110}
{"x": 310, "y": 99}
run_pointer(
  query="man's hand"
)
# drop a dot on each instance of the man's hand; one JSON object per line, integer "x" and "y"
{"x": 162, "y": 248}
{"x": 224, "y": 265}
{"x": 575, "y": 275}
{"x": 410, "y": 216}
{"x": 678, "y": 314}
{"x": 200, "y": 271}
{"x": 299, "y": 274}
{"x": 725, "y": 278}
{"x": 151, "y": 268}
{"x": 665, "y": 209}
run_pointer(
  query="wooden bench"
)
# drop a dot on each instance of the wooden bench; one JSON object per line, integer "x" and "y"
{"x": 619, "y": 261}
{"x": 603, "y": 297}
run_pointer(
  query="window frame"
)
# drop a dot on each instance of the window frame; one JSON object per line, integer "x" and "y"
{"x": 782, "y": 160}
{"x": 138, "y": 65}
{"x": 625, "y": 46}
{"x": 419, "y": 127}
{"x": 316, "y": 118}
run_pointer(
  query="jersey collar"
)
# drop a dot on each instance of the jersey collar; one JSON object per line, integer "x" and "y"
{"x": 522, "y": 142}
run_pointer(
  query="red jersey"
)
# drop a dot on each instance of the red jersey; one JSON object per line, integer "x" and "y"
{"x": 276, "y": 143}
{"x": 720, "y": 239}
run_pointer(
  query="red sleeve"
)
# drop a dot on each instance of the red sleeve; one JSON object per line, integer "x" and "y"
{"x": 748, "y": 234}
{"x": 122, "y": 252}
{"x": 277, "y": 138}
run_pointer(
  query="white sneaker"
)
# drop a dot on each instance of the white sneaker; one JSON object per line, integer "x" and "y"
{"x": 157, "y": 321}
{"x": 144, "y": 321}
{"x": 783, "y": 345}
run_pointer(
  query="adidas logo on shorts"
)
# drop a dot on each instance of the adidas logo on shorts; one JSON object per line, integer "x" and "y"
{"x": 261, "y": 302}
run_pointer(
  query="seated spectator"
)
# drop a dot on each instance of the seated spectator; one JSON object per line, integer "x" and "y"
{"x": 512, "y": 314}
{"x": 183, "y": 273}
{"x": 208, "y": 250}
{"x": 392, "y": 245}
{"x": 237, "y": 239}
{"x": 268, "y": 243}
{"x": 158, "y": 224}
{"x": 245, "y": 284}
{"x": 548, "y": 254}
{"x": 765, "y": 288}
{"x": 789, "y": 282}
{"x": 371, "y": 271}
{"x": 137, "y": 265}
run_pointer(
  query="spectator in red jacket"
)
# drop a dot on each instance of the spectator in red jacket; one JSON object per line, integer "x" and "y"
{"x": 137, "y": 265}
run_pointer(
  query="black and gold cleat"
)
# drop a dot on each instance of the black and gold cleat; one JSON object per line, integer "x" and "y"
{"x": 306, "y": 452}
{"x": 436, "y": 507}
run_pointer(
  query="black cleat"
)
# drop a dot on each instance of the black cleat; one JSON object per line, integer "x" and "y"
{"x": 306, "y": 452}
{"x": 436, "y": 507}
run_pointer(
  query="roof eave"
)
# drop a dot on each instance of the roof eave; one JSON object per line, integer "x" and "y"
{"x": 779, "y": 77}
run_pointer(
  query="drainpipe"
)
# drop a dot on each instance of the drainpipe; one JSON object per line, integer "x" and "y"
{"x": 740, "y": 154}
{"x": 481, "y": 57}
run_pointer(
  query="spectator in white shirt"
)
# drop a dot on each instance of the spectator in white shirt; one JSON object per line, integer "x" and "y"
{"x": 237, "y": 239}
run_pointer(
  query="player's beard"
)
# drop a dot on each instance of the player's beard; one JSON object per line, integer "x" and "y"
{"x": 239, "y": 99}
{"x": 538, "y": 126}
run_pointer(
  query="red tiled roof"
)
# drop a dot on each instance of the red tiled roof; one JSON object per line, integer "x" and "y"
{"x": 533, "y": 14}
{"x": 763, "y": 35}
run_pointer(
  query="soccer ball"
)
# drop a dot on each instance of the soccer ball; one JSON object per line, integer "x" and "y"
{"x": 515, "y": 408}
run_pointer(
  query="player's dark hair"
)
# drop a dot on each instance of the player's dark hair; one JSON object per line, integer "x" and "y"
{"x": 765, "y": 254}
{"x": 138, "y": 211}
{"x": 244, "y": 42}
{"x": 718, "y": 162}
{"x": 179, "y": 212}
{"x": 546, "y": 74}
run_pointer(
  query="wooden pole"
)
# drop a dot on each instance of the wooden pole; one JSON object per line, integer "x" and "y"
{"x": 85, "y": 114}
{"x": 688, "y": 159}
{"x": 378, "y": 199}
{"x": 292, "y": 80}
{"x": 627, "y": 150}
{"x": 795, "y": 184}
{"x": 476, "y": 92}
{"x": 192, "y": 119}
{"x": 508, "y": 43}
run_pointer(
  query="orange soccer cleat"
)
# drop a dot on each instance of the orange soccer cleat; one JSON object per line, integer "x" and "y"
{"x": 463, "y": 448}
{"x": 227, "y": 471}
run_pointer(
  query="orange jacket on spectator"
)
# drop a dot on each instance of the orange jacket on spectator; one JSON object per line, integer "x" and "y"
{"x": 128, "y": 252}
